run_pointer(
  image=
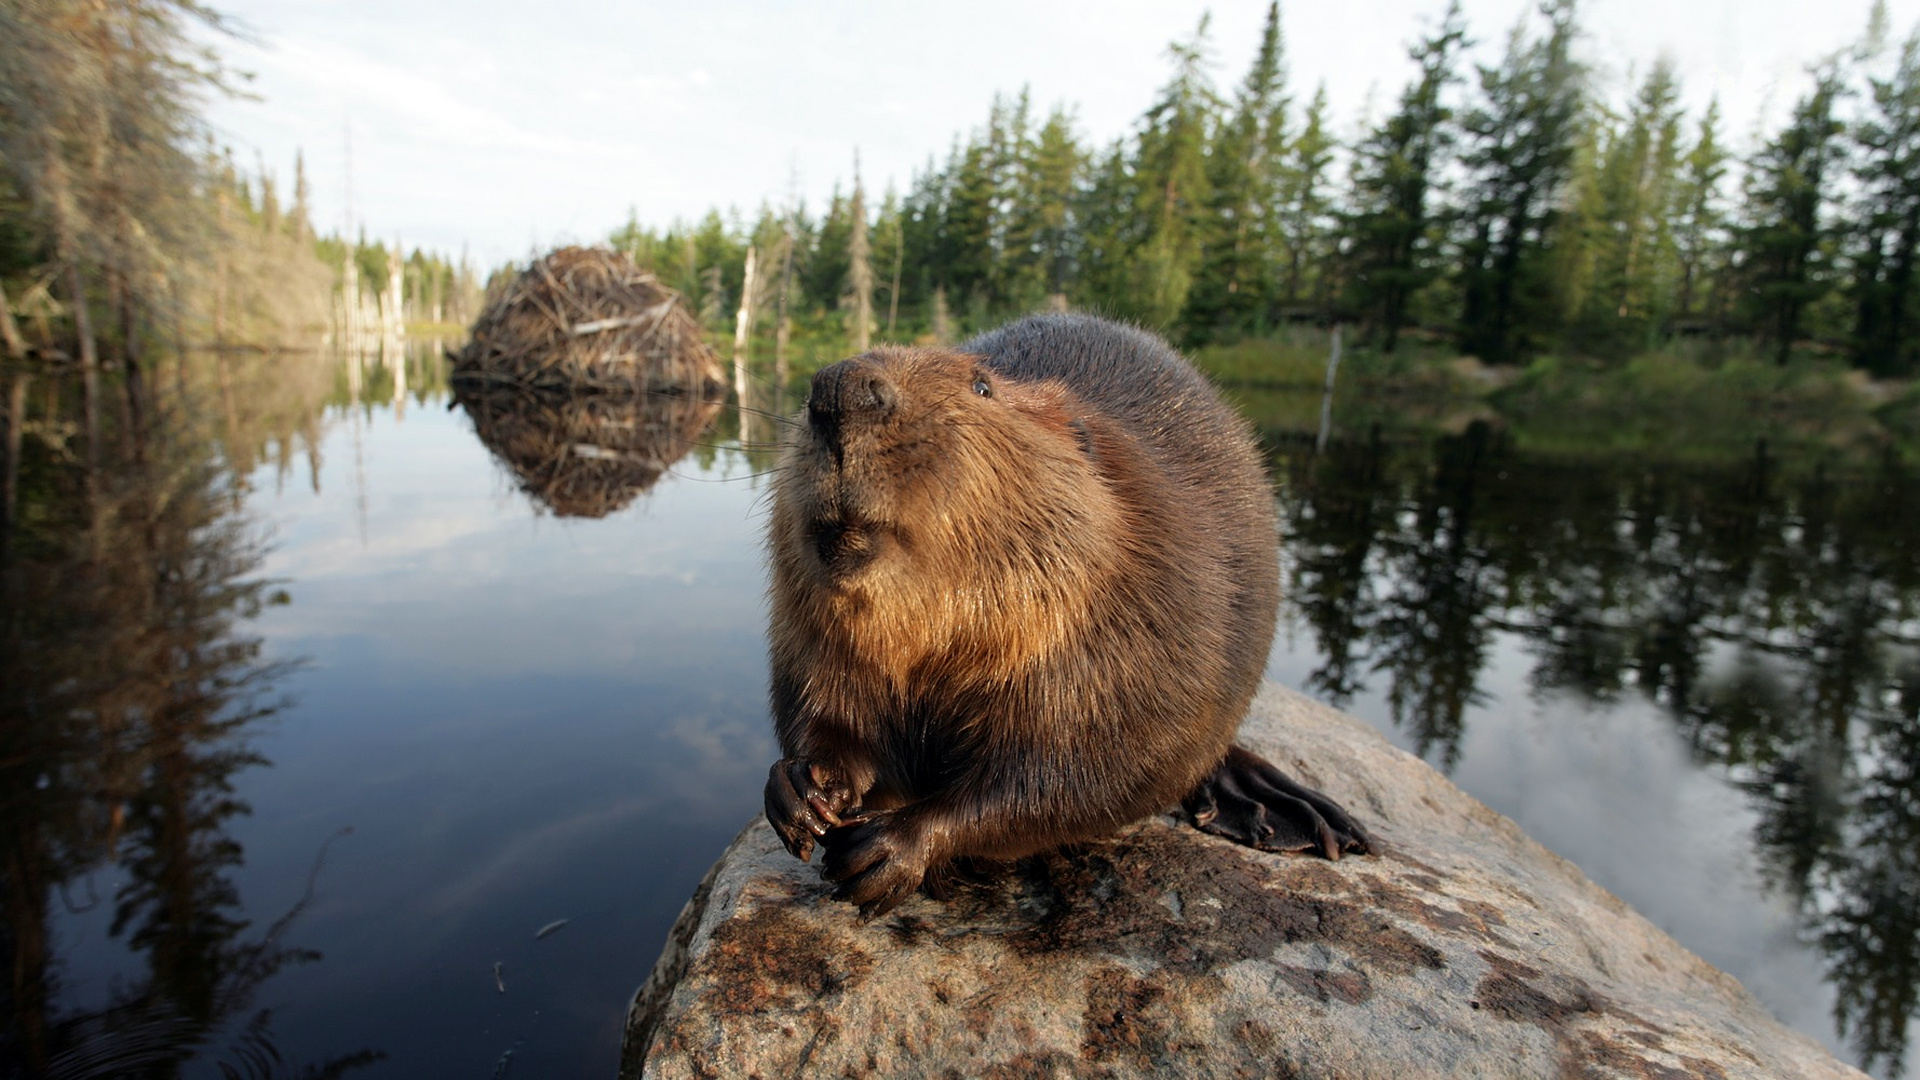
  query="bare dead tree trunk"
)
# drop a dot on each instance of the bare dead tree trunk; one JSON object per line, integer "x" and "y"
{"x": 1326, "y": 398}
{"x": 16, "y": 429}
{"x": 899, "y": 256}
{"x": 942, "y": 317}
{"x": 783, "y": 324}
{"x": 220, "y": 279}
{"x": 9, "y": 330}
{"x": 742, "y": 333}
{"x": 82, "y": 318}
{"x": 89, "y": 389}
{"x": 177, "y": 320}
{"x": 132, "y": 383}
{"x": 860, "y": 270}
{"x": 122, "y": 305}
{"x": 120, "y": 284}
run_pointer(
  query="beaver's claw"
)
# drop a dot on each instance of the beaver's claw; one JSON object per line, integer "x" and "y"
{"x": 877, "y": 860}
{"x": 1250, "y": 802}
{"x": 804, "y": 799}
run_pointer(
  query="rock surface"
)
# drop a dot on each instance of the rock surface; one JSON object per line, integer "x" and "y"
{"x": 1462, "y": 949}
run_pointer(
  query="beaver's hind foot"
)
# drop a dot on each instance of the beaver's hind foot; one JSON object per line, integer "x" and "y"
{"x": 878, "y": 859}
{"x": 1250, "y": 802}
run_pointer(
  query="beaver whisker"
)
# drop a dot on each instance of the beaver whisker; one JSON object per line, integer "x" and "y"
{"x": 698, "y": 479}
{"x": 785, "y": 419}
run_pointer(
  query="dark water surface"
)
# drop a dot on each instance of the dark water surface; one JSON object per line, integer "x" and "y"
{"x": 318, "y": 708}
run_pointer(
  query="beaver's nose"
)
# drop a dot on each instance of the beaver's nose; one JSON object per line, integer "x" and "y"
{"x": 851, "y": 391}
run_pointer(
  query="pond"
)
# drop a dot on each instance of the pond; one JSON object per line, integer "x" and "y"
{"x": 352, "y": 725}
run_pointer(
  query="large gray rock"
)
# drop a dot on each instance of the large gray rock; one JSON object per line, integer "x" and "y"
{"x": 1462, "y": 949}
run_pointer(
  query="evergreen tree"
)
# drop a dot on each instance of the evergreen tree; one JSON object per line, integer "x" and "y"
{"x": 1626, "y": 257}
{"x": 1303, "y": 212}
{"x": 1042, "y": 183}
{"x": 1110, "y": 232}
{"x": 824, "y": 276}
{"x": 1013, "y": 284}
{"x": 966, "y": 254}
{"x": 889, "y": 248}
{"x": 1395, "y": 169}
{"x": 1230, "y": 291}
{"x": 1699, "y": 226}
{"x": 300, "y": 218}
{"x": 98, "y": 129}
{"x": 1520, "y": 148}
{"x": 1887, "y": 225}
{"x": 1052, "y": 181}
{"x": 922, "y": 217}
{"x": 1171, "y": 191}
{"x": 859, "y": 290}
{"x": 720, "y": 254}
{"x": 1784, "y": 243}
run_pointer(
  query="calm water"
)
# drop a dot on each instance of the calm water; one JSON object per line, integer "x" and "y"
{"x": 319, "y": 707}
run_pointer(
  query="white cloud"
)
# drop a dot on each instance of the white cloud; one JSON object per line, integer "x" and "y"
{"x": 513, "y": 128}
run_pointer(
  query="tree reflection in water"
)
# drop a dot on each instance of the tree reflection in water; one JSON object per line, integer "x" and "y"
{"x": 129, "y": 685}
{"x": 1769, "y": 612}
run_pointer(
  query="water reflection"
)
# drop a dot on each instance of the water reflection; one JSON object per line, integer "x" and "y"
{"x": 507, "y": 714}
{"x": 585, "y": 455}
{"x": 1768, "y": 611}
{"x": 130, "y": 687}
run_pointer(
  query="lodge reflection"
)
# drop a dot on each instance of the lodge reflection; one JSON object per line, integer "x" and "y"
{"x": 590, "y": 454}
{"x": 130, "y": 686}
{"x": 1768, "y": 610}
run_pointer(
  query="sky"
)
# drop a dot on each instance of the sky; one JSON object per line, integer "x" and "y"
{"x": 504, "y": 129}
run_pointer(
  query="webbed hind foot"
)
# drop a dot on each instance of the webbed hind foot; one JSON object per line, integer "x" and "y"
{"x": 1250, "y": 802}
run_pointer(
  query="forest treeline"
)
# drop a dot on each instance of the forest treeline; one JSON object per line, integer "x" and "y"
{"x": 1506, "y": 209}
{"x": 124, "y": 225}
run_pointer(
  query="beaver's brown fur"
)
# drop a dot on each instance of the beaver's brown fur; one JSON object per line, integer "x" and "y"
{"x": 1023, "y": 592}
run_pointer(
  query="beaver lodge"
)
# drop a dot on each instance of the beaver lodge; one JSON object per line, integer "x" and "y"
{"x": 585, "y": 455}
{"x": 589, "y": 319}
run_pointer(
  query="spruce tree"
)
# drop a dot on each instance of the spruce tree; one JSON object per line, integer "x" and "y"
{"x": 1302, "y": 214}
{"x": 1395, "y": 170}
{"x": 967, "y": 253}
{"x": 1784, "y": 244}
{"x": 1171, "y": 191}
{"x": 1109, "y": 232}
{"x": 858, "y": 297}
{"x": 1230, "y": 292}
{"x": 98, "y": 130}
{"x": 299, "y": 218}
{"x": 1519, "y": 153}
{"x": 825, "y": 272}
{"x": 889, "y": 249}
{"x": 1053, "y": 179}
{"x": 1699, "y": 228}
{"x": 922, "y": 220}
{"x": 1626, "y": 257}
{"x": 1887, "y": 227}
{"x": 1013, "y": 283}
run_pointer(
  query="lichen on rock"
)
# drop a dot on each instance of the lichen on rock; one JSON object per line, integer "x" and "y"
{"x": 1462, "y": 948}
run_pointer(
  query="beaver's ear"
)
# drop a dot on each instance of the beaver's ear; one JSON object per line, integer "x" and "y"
{"x": 1083, "y": 437}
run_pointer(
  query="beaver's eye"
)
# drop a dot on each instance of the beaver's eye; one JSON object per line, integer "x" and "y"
{"x": 980, "y": 387}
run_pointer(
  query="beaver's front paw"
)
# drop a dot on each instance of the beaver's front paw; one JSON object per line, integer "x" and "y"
{"x": 804, "y": 799}
{"x": 877, "y": 859}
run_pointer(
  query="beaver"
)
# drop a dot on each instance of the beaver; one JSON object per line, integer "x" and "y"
{"x": 1022, "y": 594}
